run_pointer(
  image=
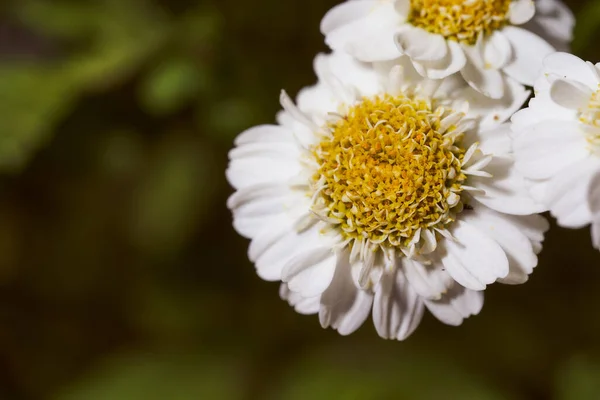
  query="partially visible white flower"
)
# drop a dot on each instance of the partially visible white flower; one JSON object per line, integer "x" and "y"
{"x": 385, "y": 193}
{"x": 557, "y": 141}
{"x": 554, "y": 22}
{"x": 483, "y": 39}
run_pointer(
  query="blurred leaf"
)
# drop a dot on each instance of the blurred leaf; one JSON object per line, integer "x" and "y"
{"x": 343, "y": 374}
{"x": 169, "y": 85}
{"x": 125, "y": 37}
{"x": 227, "y": 118}
{"x": 201, "y": 26}
{"x": 173, "y": 196}
{"x": 32, "y": 101}
{"x": 108, "y": 39}
{"x": 588, "y": 21}
{"x": 34, "y": 98}
{"x": 177, "y": 316}
{"x": 60, "y": 19}
{"x": 579, "y": 379}
{"x": 156, "y": 377}
{"x": 121, "y": 152}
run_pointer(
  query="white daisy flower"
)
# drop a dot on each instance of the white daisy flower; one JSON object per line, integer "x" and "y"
{"x": 557, "y": 141}
{"x": 483, "y": 39}
{"x": 385, "y": 192}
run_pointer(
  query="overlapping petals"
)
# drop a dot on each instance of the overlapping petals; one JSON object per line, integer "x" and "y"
{"x": 495, "y": 238}
{"x": 556, "y": 141}
{"x": 375, "y": 31}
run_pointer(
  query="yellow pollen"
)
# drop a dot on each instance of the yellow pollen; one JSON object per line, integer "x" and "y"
{"x": 386, "y": 170}
{"x": 590, "y": 116}
{"x": 459, "y": 20}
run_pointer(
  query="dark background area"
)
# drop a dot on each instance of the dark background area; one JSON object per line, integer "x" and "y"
{"x": 121, "y": 277}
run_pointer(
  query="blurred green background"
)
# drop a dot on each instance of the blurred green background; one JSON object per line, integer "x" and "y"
{"x": 120, "y": 275}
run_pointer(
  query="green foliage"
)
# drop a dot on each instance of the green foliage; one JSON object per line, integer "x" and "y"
{"x": 170, "y": 85}
{"x": 33, "y": 100}
{"x": 328, "y": 374}
{"x": 174, "y": 193}
{"x": 579, "y": 379}
{"x": 158, "y": 377}
{"x": 587, "y": 29}
{"x": 103, "y": 42}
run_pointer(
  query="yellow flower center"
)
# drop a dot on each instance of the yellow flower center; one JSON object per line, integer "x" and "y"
{"x": 459, "y": 20}
{"x": 391, "y": 166}
{"x": 590, "y": 116}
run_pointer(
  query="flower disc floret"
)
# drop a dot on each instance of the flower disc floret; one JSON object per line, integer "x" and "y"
{"x": 590, "y": 117}
{"x": 459, "y": 20}
{"x": 388, "y": 169}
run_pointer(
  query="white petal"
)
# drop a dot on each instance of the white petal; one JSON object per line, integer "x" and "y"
{"x": 521, "y": 11}
{"x": 570, "y": 94}
{"x": 398, "y": 309}
{"x": 304, "y": 135}
{"x": 345, "y": 13}
{"x": 292, "y": 109}
{"x": 278, "y": 242}
{"x": 567, "y": 193}
{"x": 528, "y": 52}
{"x": 368, "y": 38}
{"x": 595, "y": 232}
{"x": 378, "y": 46}
{"x": 421, "y": 45}
{"x": 480, "y": 77}
{"x": 307, "y": 305}
{"x": 547, "y": 148}
{"x": 310, "y": 273}
{"x": 594, "y": 194}
{"x": 254, "y": 205}
{"x": 401, "y": 70}
{"x": 265, "y": 133}
{"x": 264, "y": 149}
{"x": 367, "y": 270}
{"x": 350, "y": 73}
{"x": 452, "y": 62}
{"x": 318, "y": 101}
{"x": 555, "y": 21}
{"x": 518, "y": 248}
{"x": 540, "y": 107}
{"x": 344, "y": 307}
{"x": 508, "y": 191}
{"x": 474, "y": 260}
{"x": 396, "y": 81}
{"x": 263, "y": 154}
{"x": 493, "y": 112}
{"x": 452, "y": 88}
{"x": 254, "y": 197}
{"x": 532, "y": 226}
{"x": 496, "y": 141}
{"x": 402, "y": 7}
{"x": 497, "y": 50}
{"x": 455, "y": 306}
{"x": 429, "y": 281}
{"x": 594, "y": 205}
{"x": 568, "y": 66}
{"x": 302, "y": 305}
